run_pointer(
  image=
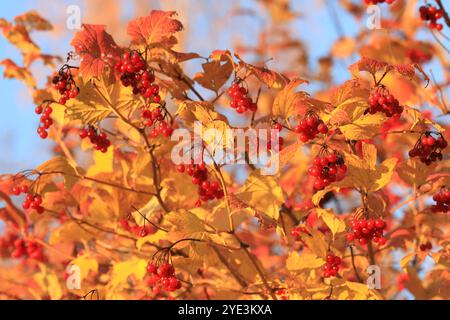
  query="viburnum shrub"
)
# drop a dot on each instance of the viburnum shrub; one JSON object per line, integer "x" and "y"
{"x": 142, "y": 200}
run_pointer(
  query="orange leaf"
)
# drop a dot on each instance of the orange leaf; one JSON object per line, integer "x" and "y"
{"x": 96, "y": 48}
{"x": 158, "y": 27}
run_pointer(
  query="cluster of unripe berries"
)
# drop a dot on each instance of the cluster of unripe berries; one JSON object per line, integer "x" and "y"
{"x": 45, "y": 120}
{"x": 327, "y": 169}
{"x": 27, "y": 249}
{"x": 134, "y": 72}
{"x": 428, "y": 149}
{"x": 442, "y": 199}
{"x": 97, "y": 138}
{"x": 64, "y": 83}
{"x": 207, "y": 190}
{"x": 134, "y": 228}
{"x": 432, "y": 14}
{"x": 369, "y": 2}
{"x": 162, "y": 278}
{"x": 364, "y": 230}
{"x": 310, "y": 126}
{"x": 332, "y": 266}
{"x": 381, "y": 100}
{"x": 426, "y": 246}
{"x": 32, "y": 201}
{"x": 240, "y": 101}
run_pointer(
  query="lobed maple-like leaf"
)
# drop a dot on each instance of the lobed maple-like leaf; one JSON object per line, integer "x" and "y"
{"x": 97, "y": 49}
{"x": 158, "y": 27}
{"x": 287, "y": 100}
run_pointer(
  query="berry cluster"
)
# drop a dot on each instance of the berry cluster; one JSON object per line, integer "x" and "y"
{"x": 418, "y": 56}
{"x": 364, "y": 230}
{"x": 428, "y": 148}
{"x": 32, "y": 201}
{"x": 375, "y": 2}
{"x": 240, "y": 101}
{"x": 282, "y": 293}
{"x": 332, "y": 266}
{"x": 426, "y": 246}
{"x": 310, "y": 126}
{"x": 98, "y": 138}
{"x": 297, "y": 231}
{"x": 327, "y": 169}
{"x": 381, "y": 100}
{"x": 134, "y": 228}
{"x": 45, "y": 120}
{"x": 17, "y": 190}
{"x": 27, "y": 248}
{"x": 273, "y": 136}
{"x": 134, "y": 72}
{"x": 64, "y": 83}
{"x": 432, "y": 14}
{"x": 207, "y": 190}
{"x": 442, "y": 199}
{"x": 162, "y": 277}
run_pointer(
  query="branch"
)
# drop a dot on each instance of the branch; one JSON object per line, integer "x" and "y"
{"x": 445, "y": 13}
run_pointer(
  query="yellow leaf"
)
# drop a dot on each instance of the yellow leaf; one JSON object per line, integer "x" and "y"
{"x": 315, "y": 241}
{"x": 86, "y": 264}
{"x": 122, "y": 270}
{"x": 151, "y": 238}
{"x": 56, "y": 166}
{"x": 413, "y": 172}
{"x": 298, "y": 262}
{"x": 365, "y": 174}
{"x": 97, "y": 98}
{"x": 333, "y": 222}
{"x": 263, "y": 194}
{"x": 287, "y": 99}
{"x": 68, "y": 232}
{"x": 366, "y": 127}
{"x": 103, "y": 162}
{"x": 406, "y": 260}
{"x": 185, "y": 224}
{"x": 49, "y": 282}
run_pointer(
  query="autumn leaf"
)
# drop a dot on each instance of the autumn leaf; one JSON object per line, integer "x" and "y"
{"x": 13, "y": 71}
{"x": 121, "y": 271}
{"x": 285, "y": 103}
{"x": 156, "y": 28}
{"x": 366, "y": 127}
{"x": 33, "y": 21}
{"x": 215, "y": 74}
{"x": 56, "y": 166}
{"x": 96, "y": 49}
{"x": 414, "y": 172}
{"x": 364, "y": 172}
{"x": 303, "y": 261}
{"x": 97, "y": 99}
{"x": 18, "y": 36}
{"x": 334, "y": 223}
{"x": 263, "y": 194}
{"x": 269, "y": 77}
